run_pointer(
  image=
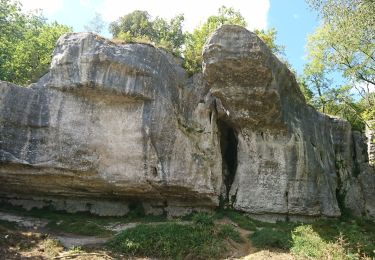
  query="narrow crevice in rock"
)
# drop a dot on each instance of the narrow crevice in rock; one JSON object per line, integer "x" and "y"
{"x": 340, "y": 194}
{"x": 228, "y": 145}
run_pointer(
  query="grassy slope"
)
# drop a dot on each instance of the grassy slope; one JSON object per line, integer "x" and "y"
{"x": 344, "y": 238}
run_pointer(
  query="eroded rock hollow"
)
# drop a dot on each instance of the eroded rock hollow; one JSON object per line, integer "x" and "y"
{"x": 111, "y": 125}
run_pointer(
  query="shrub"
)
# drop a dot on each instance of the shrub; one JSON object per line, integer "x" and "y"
{"x": 307, "y": 243}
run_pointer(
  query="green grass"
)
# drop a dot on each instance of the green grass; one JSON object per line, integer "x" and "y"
{"x": 200, "y": 240}
{"x": 344, "y": 238}
{"x": 322, "y": 239}
{"x": 271, "y": 238}
{"x": 242, "y": 220}
{"x": 349, "y": 236}
{"x": 169, "y": 240}
{"x": 228, "y": 231}
{"x": 203, "y": 219}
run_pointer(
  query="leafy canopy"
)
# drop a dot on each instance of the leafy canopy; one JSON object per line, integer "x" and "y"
{"x": 344, "y": 43}
{"x": 138, "y": 26}
{"x": 196, "y": 40}
{"x": 26, "y": 43}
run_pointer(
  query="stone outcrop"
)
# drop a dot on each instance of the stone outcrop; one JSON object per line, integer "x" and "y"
{"x": 370, "y": 135}
{"x": 112, "y": 125}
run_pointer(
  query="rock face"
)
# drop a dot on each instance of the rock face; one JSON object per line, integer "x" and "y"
{"x": 113, "y": 125}
{"x": 370, "y": 135}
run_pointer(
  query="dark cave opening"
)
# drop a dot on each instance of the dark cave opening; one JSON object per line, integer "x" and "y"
{"x": 228, "y": 145}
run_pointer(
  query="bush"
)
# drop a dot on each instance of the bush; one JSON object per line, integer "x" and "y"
{"x": 269, "y": 237}
{"x": 308, "y": 243}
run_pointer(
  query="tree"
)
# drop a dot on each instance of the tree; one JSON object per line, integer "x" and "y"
{"x": 26, "y": 43}
{"x": 96, "y": 24}
{"x": 169, "y": 34}
{"x": 195, "y": 41}
{"x": 345, "y": 42}
{"x": 319, "y": 85}
{"x": 337, "y": 101}
{"x": 138, "y": 26}
{"x": 269, "y": 38}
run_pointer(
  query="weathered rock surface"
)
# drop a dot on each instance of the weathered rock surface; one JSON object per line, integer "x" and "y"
{"x": 111, "y": 125}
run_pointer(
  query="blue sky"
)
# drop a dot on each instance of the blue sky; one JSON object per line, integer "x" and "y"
{"x": 292, "y": 19}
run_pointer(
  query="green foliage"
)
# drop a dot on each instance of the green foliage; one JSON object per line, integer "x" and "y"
{"x": 228, "y": 231}
{"x": 170, "y": 240}
{"x": 306, "y": 91}
{"x": 346, "y": 38}
{"x": 345, "y": 43}
{"x": 242, "y": 220}
{"x": 269, "y": 38}
{"x": 269, "y": 237}
{"x": 355, "y": 238}
{"x": 337, "y": 101}
{"x": 195, "y": 41}
{"x": 139, "y": 27}
{"x": 26, "y": 43}
{"x": 308, "y": 243}
{"x": 203, "y": 219}
{"x": 80, "y": 227}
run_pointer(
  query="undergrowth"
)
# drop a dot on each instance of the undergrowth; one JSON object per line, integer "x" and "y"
{"x": 343, "y": 238}
{"x": 199, "y": 240}
{"x": 322, "y": 239}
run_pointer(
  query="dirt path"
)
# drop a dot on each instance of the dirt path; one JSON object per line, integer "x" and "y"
{"x": 27, "y": 222}
{"x": 246, "y": 251}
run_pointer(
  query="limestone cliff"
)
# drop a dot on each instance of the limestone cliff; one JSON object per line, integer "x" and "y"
{"x": 112, "y": 124}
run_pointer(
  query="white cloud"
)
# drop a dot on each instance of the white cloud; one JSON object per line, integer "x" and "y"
{"x": 196, "y": 11}
{"x": 84, "y": 2}
{"x": 49, "y": 7}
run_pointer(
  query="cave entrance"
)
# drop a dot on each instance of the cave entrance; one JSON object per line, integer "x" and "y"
{"x": 228, "y": 145}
